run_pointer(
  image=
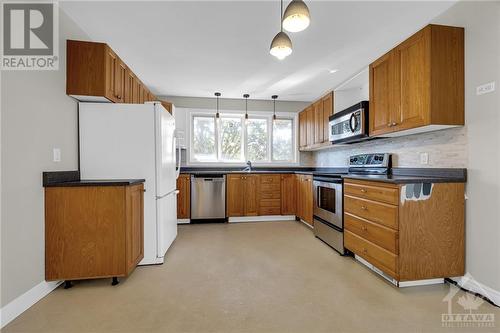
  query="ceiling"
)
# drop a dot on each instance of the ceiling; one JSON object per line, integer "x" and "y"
{"x": 194, "y": 48}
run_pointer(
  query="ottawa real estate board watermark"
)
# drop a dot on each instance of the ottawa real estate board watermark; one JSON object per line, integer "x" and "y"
{"x": 30, "y": 38}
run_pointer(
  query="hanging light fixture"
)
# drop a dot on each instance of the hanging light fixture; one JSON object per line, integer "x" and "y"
{"x": 274, "y": 97}
{"x": 281, "y": 46}
{"x": 217, "y": 95}
{"x": 296, "y": 17}
{"x": 246, "y": 106}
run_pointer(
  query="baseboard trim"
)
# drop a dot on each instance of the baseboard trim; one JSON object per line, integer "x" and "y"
{"x": 22, "y": 303}
{"x": 414, "y": 283}
{"x": 183, "y": 221}
{"x": 468, "y": 283}
{"x": 306, "y": 224}
{"x": 267, "y": 218}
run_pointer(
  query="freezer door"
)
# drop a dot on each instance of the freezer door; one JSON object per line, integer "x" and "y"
{"x": 165, "y": 151}
{"x": 166, "y": 221}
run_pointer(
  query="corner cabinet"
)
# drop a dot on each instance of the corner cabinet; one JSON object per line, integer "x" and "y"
{"x": 408, "y": 231}
{"x": 419, "y": 85}
{"x": 93, "y": 231}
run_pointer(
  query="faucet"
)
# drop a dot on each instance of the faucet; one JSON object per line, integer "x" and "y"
{"x": 248, "y": 167}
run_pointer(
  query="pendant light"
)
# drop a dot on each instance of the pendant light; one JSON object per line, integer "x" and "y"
{"x": 274, "y": 97}
{"x": 281, "y": 46}
{"x": 296, "y": 17}
{"x": 246, "y": 107}
{"x": 217, "y": 95}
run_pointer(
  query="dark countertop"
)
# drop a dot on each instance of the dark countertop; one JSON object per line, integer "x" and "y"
{"x": 72, "y": 178}
{"x": 97, "y": 182}
{"x": 398, "y": 176}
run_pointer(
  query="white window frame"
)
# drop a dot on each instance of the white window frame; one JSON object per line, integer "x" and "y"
{"x": 191, "y": 113}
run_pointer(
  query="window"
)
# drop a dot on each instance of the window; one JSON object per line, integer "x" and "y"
{"x": 231, "y": 139}
{"x": 257, "y": 139}
{"x": 234, "y": 139}
{"x": 204, "y": 138}
{"x": 283, "y": 148}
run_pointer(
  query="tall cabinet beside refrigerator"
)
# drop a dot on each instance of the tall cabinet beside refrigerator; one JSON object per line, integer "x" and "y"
{"x": 135, "y": 141}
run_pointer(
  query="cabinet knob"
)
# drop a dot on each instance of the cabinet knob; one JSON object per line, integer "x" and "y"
{"x": 363, "y": 190}
{"x": 394, "y": 124}
{"x": 364, "y": 228}
{"x": 365, "y": 250}
{"x": 363, "y": 207}
{"x": 389, "y": 125}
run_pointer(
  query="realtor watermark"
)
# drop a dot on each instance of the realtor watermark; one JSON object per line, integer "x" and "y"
{"x": 472, "y": 316}
{"x": 30, "y": 38}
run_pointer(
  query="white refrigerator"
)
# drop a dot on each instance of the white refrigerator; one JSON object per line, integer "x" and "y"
{"x": 135, "y": 141}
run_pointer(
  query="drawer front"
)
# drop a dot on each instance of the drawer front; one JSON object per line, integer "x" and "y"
{"x": 373, "y": 192}
{"x": 270, "y": 203}
{"x": 270, "y": 187}
{"x": 270, "y": 179}
{"x": 270, "y": 195}
{"x": 374, "y": 254}
{"x": 270, "y": 210}
{"x": 375, "y": 233}
{"x": 371, "y": 210}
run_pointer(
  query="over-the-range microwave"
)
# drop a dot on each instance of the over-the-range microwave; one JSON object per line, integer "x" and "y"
{"x": 349, "y": 125}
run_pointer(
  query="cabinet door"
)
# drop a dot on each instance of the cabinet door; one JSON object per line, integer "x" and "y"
{"x": 300, "y": 197}
{"x": 384, "y": 87}
{"x": 235, "y": 195}
{"x": 130, "y": 83}
{"x": 135, "y": 225}
{"x": 307, "y": 198}
{"x": 141, "y": 93}
{"x": 414, "y": 89}
{"x": 327, "y": 112}
{"x": 111, "y": 64}
{"x": 310, "y": 126}
{"x": 303, "y": 129}
{"x": 184, "y": 197}
{"x": 120, "y": 79}
{"x": 288, "y": 194}
{"x": 318, "y": 121}
{"x": 251, "y": 195}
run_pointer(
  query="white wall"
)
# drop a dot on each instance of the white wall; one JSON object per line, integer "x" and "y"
{"x": 36, "y": 117}
{"x": 476, "y": 146}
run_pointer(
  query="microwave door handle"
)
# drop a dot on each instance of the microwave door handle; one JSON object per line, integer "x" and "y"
{"x": 352, "y": 120}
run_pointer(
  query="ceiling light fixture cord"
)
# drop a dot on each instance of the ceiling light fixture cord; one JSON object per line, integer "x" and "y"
{"x": 217, "y": 94}
{"x": 246, "y": 105}
{"x": 274, "y": 97}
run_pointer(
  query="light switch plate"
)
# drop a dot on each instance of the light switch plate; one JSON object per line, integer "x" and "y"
{"x": 56, "y": 155}
{"x": 485, "y": 88}
{"x": 424, "y": 158}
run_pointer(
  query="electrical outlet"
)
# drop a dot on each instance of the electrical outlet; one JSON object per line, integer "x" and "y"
{"x": 485, "y": 88}
{"x": 424, "y": 158}
{"x": 56, "y": 155}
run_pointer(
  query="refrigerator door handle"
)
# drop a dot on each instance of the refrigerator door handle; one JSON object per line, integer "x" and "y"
{"x": 178, "y": 166}
{"x": 169, "y": 193}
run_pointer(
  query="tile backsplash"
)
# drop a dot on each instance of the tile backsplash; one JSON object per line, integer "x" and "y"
{"x": 446, "y": 149}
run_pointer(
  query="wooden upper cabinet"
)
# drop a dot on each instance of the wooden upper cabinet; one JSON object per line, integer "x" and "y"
{"x": 318, "y": 121}
{"x": 184, "y": 197}
{"x": 419, "y": 83}
{"x": 303, "y": 129}
{"x": 310, "y": 125}
{"x": 94, "y": 72}
{"x": 327, "y": 112}
{"x": 383, "y": 87}
{"x": 167, "y": 106}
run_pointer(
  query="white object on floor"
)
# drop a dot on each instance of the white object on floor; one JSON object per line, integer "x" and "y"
{"x": 266, "y": 218}
{"x": 135, "y": 141}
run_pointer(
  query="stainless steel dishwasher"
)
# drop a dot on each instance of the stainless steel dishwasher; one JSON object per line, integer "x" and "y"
{"x": 208, "y": 197}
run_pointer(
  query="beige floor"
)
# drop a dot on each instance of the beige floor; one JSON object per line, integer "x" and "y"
{"x": 246, "y": 277}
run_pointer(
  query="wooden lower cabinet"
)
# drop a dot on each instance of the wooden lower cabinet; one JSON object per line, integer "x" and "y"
{"x": 305, "y": 198}
{"x": 242, "y": 195}
{"x": 184, "y": 196}
{"x": 269, "y": 194}
{"x": 288, "y": 194}
{"x": 93, "y": 231}
{"x": 408, "y": 231}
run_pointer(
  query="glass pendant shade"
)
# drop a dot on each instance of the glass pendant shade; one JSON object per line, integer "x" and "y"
{"x": 281, "y": 46}
{"x": 296, "y": 17}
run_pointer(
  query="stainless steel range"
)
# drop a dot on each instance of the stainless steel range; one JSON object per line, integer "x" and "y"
{"x": 328, "y": 198}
